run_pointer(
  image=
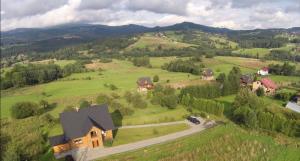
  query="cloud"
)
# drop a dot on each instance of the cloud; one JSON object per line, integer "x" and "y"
{"x": 234, "y": 14}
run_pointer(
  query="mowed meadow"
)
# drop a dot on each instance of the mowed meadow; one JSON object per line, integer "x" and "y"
{"x": 121, "y": 73}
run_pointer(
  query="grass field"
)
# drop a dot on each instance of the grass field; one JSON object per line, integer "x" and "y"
{"x": 224, "y": 142}
{"x": 125, "y": 136}
{"x": 69, "y": 90}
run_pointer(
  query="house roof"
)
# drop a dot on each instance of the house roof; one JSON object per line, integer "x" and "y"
{"x": 293, "y": 106}
{"x": 265, "y": 69}
{"x": 246, "y": 78}
{"x": 208, "y": 72}
{"x": 57, "y": 140}
{"x": 268, "y": 83}
{"x": 144, "y": 80}
{"x": 77, "y": 123}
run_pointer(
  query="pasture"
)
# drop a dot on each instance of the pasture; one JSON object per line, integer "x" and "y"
{"x": 70, "y": 90}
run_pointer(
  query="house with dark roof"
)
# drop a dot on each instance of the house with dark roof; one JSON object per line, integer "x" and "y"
{"x": 246, "y": 80}
{"x": 208, "y": 74}
{"x": 84, "y": 128}
{"x": 267, "y": 84}
{"x": 294, "y": 104}
{"x": 144, "y": 84}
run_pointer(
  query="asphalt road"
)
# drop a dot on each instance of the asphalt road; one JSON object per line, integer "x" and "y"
{"x": 103, "y": 152}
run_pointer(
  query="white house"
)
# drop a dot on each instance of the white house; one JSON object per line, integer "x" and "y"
{"x": 263, "y": 71}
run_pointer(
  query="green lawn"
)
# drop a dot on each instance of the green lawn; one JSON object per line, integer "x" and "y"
{"x": 224, "y": 142}
{"x": 125, "y": 136}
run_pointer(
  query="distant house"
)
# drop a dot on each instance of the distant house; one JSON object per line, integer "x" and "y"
{"x": 246, "y": 80}
{"x": 144, "y": 84}
{"x": 207, "y": 74}
{"x": 263, "y": 71}
{"x": 267, "y": 84}
{"x": 85, "y": 128}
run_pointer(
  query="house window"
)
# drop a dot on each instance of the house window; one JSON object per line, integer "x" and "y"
{"x": 77, "y": 141}
{"x": 93, "y": 134}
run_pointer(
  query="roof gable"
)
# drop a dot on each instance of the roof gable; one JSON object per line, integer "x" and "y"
{"x": 77, "y": 123}
{"x": 144, "y": 80}
{"x": 268, "y": 83}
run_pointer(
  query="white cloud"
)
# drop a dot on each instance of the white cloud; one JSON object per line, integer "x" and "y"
{"x": 235, "y": 14}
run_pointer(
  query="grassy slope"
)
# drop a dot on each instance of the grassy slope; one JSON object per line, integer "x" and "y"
{"x": 253, "y": 51}
{"x": 69, "y": 92}
{"x": 152, "y": 42}
{"x": 224, "y": 142}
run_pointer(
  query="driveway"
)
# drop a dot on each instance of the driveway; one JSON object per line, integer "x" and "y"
{"x": 103, "y": 152}
{"x": 85, "y": 154}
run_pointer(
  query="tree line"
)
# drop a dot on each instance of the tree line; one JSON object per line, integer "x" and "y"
{"x": 31, "y": 74}
{"x": 285, "y": 69}
{"x": 252, "y": 112}
{"x": 186, "y": 66}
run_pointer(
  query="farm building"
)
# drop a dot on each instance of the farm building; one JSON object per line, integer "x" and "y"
{"x": 263, "y": 71}
{"x": 144, "y": 84}
{"x": 267, "y": 84}
{"x": 84, "y": 128}
{"x": 208, "y": 74}
{"x": 246, "y": 80}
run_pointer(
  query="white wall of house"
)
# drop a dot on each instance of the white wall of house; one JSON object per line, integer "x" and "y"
{"x": 262, "y": 72}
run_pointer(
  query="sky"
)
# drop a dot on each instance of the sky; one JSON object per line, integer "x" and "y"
{"x": 233, "y": 14}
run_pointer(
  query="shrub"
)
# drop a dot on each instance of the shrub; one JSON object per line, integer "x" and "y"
{"x": 44, "y": 104}
{"x": 155, "y": 78}
{"x": 84, "y": 103}
{"x": 113, "y": 87}
{"x": 260, "y": 92}
{"x": 116, "y": 105}
{"x": 209, "y": 106}
{"x": 126, "y": 111}
{"x": 103, "y": 99}
{"x": 22, "y": 110}
{"x": 115, "y": 95}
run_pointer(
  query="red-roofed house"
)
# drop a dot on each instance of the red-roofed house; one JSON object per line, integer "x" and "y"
{"x": 267, "y": 84}
{"x": 263, "y": 71}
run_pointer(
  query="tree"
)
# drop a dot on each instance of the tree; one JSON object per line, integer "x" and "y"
{"x": 128, "y": 96}
{"x": 84, "y": 103}
{"x": 103, "y": 99}
{"x": 221, "y": 78}
{"x": 22, "y": 110}
{"x": 155, "y": 78}
{"x": 260, "y": 92}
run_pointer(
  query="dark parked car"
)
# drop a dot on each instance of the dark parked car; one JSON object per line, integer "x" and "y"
{"x": 193, "y": 119}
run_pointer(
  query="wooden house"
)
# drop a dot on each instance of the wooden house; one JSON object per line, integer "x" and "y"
{"x": 84, "y": 128}
{"x": 144, "y": 84}
{"x": 208, "y": 74}
{"x": 246, "y": 80}
{"x": 267, "y": 84}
